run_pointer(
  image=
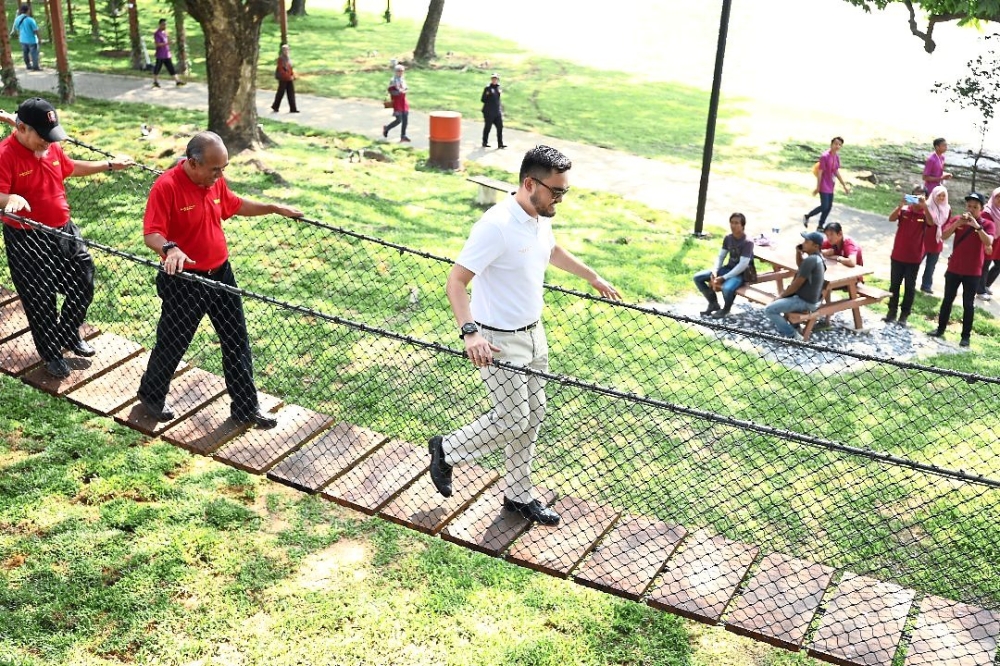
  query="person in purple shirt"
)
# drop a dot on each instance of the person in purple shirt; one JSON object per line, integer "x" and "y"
{"x": 934, "y": 173}
{"x": 829, "y": 168}
{"x": 162, "y": 41}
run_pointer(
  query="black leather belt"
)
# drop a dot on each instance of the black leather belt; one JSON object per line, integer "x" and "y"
{"x": 508, "y": 330}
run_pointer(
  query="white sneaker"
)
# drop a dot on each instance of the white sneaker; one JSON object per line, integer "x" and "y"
{"x": 797, "y": 336}
{"x": 983, "y": 297}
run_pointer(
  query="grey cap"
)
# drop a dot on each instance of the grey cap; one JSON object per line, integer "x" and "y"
{"x": 814, "y": 236}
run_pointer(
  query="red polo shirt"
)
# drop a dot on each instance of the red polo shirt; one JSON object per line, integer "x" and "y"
{"x": 908, "y": 247}
{"x": 967, "y": 253}
{"x": 191, "y": 216}
{"x": 38, "y": 179}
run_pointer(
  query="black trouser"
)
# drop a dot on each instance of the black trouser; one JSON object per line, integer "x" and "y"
{"x": 283, "y": 87}
{"x": 164, "y": 62}
{"x": 991, "y": 270}
{"x": 951, "y": 284}
{"x": 902, "y": 274}
{"x": 184, "y": 304}
{"x": 43, "y": 264}
{"x": 493, "y": 121}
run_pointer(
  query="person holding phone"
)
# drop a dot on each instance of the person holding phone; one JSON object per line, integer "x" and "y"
{"x": 910, "y": 217}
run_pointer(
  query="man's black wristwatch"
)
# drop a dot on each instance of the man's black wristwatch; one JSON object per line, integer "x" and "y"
{"x": 468, "y": 329}
{"x": 167, "y": 247}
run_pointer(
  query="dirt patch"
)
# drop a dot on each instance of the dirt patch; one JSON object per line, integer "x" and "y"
{"x": 347, "y": 559}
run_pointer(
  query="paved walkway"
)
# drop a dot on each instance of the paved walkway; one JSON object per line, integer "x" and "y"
{"x": 658, "y": 184}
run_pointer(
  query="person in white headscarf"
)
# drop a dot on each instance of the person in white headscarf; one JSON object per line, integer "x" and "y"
{"x": 938, "y": 211}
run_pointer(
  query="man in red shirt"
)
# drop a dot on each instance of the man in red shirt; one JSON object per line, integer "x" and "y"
{"x": 52, "y": 258}
{"x": 974, "y": 236}
{"x": 907, "y": 253}
{"x": 183, "y": 224}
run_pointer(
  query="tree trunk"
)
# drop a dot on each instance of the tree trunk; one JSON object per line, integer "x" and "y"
{"x": 283, "y": 20}
{"x": 232, "y": 48}
{"x": 95, "y": 24}
{"x": 180, "y": 39}
{"x": 298, "y": 8}
{"x": 7, "y": 72}
{"x": 134, "y": 38}
{"x": 428, "y": 34}
{"x": 69, "y": 17}
{"x": 67, "y": 92}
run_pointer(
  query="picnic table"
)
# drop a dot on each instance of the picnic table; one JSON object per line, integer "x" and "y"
{"x": 842, "y": 289}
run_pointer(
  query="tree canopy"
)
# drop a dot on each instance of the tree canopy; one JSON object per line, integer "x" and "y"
{"x": 925, "y": 14}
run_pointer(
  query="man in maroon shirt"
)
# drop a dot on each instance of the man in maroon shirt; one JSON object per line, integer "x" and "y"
{"x": 183, "y": 224}
{"x": 48, "y": 258}
{"x": 974, "y": 237}
{"x": 907, "y": 253}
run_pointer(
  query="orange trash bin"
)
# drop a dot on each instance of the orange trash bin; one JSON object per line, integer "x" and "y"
{"x": 445, "y": 137}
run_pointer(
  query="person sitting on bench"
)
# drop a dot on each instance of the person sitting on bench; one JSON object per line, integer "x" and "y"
{"x": 805, "y": 291}
{"x": 730, "y": 277}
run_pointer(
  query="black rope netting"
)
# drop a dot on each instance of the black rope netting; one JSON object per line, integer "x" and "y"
{"x": 877, "y": 468}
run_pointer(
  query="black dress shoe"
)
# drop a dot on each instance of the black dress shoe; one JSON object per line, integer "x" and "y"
{"x": 58, "y": 368}
{"x": 502, "y": 146}
{"x": 533, "y": 511}
{"x": 936, "y": 334}
{"x": 964, "y": 343}
{"x": 81, "y": 348}
{"x": 712, "y": 307}
{"x": 440, "y": 470}
{"x": 486, "y": 145}
{"x": 257, "y": 419}
{"x": 157, "y": 412}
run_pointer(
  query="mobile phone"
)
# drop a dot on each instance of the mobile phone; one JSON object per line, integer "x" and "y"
{"x": 911, "y": 199}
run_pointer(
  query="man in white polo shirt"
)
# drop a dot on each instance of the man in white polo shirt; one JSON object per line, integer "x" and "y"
{"x": 507, "y": 252}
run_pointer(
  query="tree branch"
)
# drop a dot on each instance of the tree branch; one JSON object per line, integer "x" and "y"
{"x": 928, "y": 37}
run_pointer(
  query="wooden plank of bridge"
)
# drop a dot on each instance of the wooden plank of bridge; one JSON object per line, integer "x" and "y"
{"x": 699, "y": 582}
{"x": 112, "y": 350}
{"x": 330, "y": 455}
{"x": 257, "y": 450}
{"x": 628, "y": 559}
{"x": 486, "y": 527}
{"x": 6, "y": 296}
{"x": 211, "y": 426}
{"x": 189, "y": 392}
{"x": 115, "y": 389}
{"x": 13, "y": 321}
{"x": 556, "y": 550}
{"x": 863, "y": 622}
{"x": 953, "y": 633}
{"x": 18, "y": 355}
{"x": 780, "y": 601}
{"x": 378, "y": 478}
{"x": 421, "y": 506}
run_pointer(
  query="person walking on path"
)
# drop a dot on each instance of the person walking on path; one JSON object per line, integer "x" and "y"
{"x": 27, "y": 34}
{"x": 400, "y": 107}
{"x": 492, "y": 111}
{"x": 805, "y": 291}
{"x": 938, "y": 213}
{"x": 183, "y": 225}
{"x": 934, "y": 173}
{"x": 33, "y": 168}
{"x": 730, "y": 277}
{"x": 829, "y": 168}
{"x": 991, "y": 265}
{"x": 162, "y": 42}
{"x": 285, "y": 74}
{"x": 507, "y": 252}
{"x": 907, "y": 253}
{"x": 974, "y": 236}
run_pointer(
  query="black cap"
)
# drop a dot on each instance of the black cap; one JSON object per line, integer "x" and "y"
{"x": 976, "y": 196}
{"x": 41, "y": 116}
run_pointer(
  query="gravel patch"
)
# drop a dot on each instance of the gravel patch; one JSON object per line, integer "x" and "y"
{"x": 824, "y": 353}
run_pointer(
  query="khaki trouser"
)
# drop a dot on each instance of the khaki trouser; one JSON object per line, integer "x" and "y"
{"x": 518, "y": 409}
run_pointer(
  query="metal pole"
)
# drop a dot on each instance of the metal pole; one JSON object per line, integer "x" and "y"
{"x": 713, "y": 112}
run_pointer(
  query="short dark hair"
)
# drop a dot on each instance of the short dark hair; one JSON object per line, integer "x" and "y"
{"x": 938, "y": 141}
{"x": 834, "y": 227}
{"x": 163, "y": 20}
{"x": 541, "y": 161}
{"x": 837, "y": 138}
{"x": 24, "y": 9}
{"x": 741, "y": 217}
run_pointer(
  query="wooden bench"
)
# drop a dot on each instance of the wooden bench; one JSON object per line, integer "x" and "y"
{"x": 488, "y": 188}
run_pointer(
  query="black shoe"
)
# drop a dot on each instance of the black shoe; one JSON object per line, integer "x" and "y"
{"x": 712, "y": 307}
{"x": 440, "y": 470}
{"x": 533, "y": 511}
{"x": 502, "y": 146}
{"x": 890, "y": 318}
{"x": 902, "y": 321}
{"x": 385, "y": 131}
{"x": 294, "y": 111}
{"x": 156, "y": 412}
{"x": 719, "y": 314}
{"x": 258, "y": 419}
{"x": 964, "y": 342}
{"x": 486, "y": 145}
{"x": 936, "y": 334}
{"x": 274, "y": 109}
{"x": 805, "y": 221}
{"x": 81, "y": 348}
{"x": 927, "y": 290}
{"x": 58, "y": 368}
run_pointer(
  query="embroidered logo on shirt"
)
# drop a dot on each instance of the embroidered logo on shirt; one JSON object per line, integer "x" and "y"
{"x": 216, "y": 201}
{"x": 26, "y": 173}
{"x": 185, "y": 209}
{"x": 55, "y": 162}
